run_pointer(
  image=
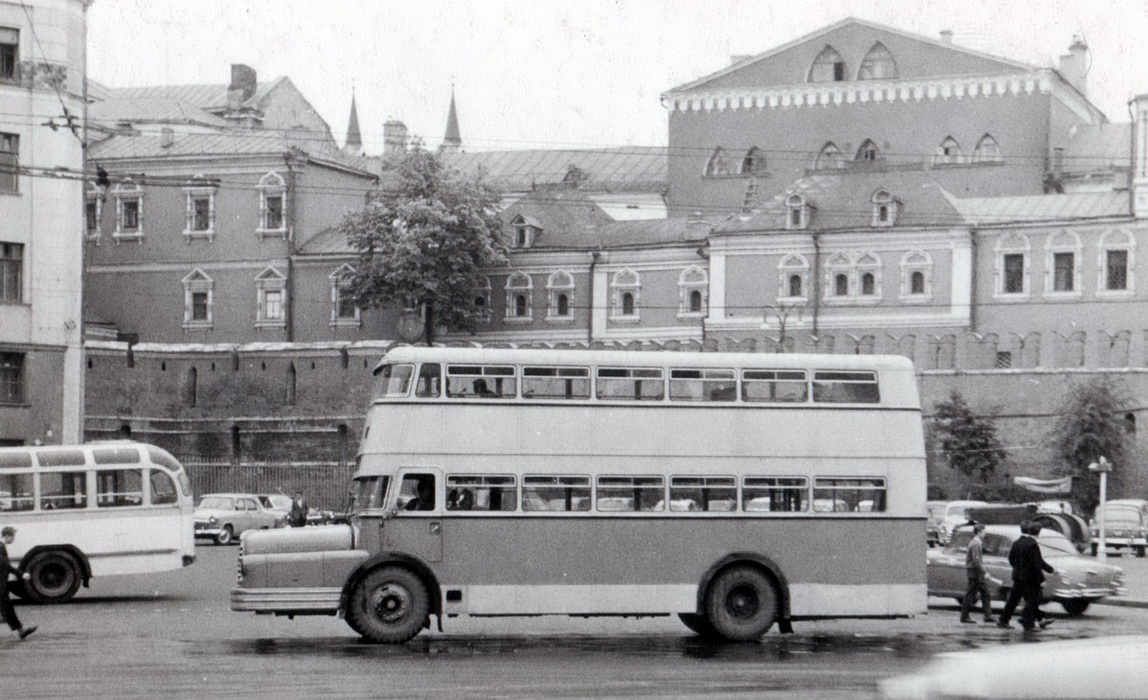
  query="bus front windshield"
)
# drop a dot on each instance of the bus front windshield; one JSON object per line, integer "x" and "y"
{"x": 392, "y": 381}
{"x": 367, "y": 493}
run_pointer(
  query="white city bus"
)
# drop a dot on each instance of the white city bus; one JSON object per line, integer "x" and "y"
{"x": 99, "y": 509}
{"x": 735, "y": 490}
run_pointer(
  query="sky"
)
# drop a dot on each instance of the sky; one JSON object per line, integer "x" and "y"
{"x": 559, "y": 73}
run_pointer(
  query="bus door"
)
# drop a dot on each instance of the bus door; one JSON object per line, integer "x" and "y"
{"x": 417, "y": 526}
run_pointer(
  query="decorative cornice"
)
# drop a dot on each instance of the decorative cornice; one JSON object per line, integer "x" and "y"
{"x": 1044, "y": 81}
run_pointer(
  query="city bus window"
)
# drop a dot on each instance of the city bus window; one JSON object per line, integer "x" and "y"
{"x": 61, "y": 458}
{"x": 18, "y": 460}
{"x": 788, "y": 494}
{"x": 774, "y": 386}
{"x": 417, "y": 492}
{"x": 116, "y": 455}
{"x": 430, "y": 381}
{"x": 703, "y": 385}
{"x": 845, "y": 387}
{"x": 162, "y": 488}
{"x": 628, "y": 384}
{"x": 467, "y": 492}
{"x": 480, "y": 382}
{"x": 392, "y": 381}
{"x": 703, "y": 493}
{"x": 16, "y": 493}
{"x": 640, "y": 493}
{"x": 119, "y": 487}
{"x": 561, "y": 493}
{"x": 555, "y": 383}
{"x": 833, "y": 495}
{"x": 368, "y": 493}
{"x": 60, "y": 490}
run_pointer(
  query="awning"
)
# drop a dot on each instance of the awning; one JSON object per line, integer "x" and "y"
{"x": 1044, "y": 485}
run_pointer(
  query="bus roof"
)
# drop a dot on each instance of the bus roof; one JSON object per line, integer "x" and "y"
{"x": 653, "y": 358}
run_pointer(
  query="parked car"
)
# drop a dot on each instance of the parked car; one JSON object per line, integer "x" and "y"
{"x": 225, "y": 516}
{"x": 1080, "y": 580}
{"x": 281, "y": 503}
{"x": 1125, "y": 525}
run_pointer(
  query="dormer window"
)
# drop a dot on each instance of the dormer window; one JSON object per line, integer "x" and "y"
{"x": 948, "y": 152}
{"x": 987, "y": 151}
{"x": 797, "y": 212}
{"x": 884, "y": 208}
{"x": 868, "y": 153}
{"x": 718, "y": 164}
{"x": 526, "y": 230}
{"x": 753, "y": 163}
{"x": 829, "y": 158}
{"x": 878, "y": 64}
{"x": 828, "y": 67}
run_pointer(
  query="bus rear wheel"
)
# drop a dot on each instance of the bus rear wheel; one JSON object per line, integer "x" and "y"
{"x": 389, "y": 606}
{"x": 698, "y": 624}
{"x": 54, "y": 577}
{"x": 741, "y": 604}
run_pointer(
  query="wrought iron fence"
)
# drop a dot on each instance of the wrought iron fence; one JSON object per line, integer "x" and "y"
{"x": 324, "y": 484}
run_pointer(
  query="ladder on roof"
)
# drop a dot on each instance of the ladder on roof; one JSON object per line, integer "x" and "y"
{"x": 750, "y": 194}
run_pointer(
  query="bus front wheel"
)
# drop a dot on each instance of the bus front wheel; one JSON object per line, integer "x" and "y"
{"x": 389, "y": 606}
{"x": 54, "y": 577}
{"x": 741, "y": 604}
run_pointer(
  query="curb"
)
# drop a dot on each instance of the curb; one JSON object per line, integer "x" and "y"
{"x": 1123, "y": 603}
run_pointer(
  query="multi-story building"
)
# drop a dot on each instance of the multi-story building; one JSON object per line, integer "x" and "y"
{"x": 42, "y": 67}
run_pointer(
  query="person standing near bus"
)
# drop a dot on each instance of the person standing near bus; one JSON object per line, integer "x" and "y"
{"x": 7, "y": 535}
{"x": 297, "y": 517}
{"x": 978, "y": 577}
{"x": 1028, "y": 569}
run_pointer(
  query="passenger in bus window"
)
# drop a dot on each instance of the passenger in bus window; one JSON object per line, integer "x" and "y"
{"x": 480, "y": 388}
{"x": 460, "y": 499}
{"x": 424, "y": 492}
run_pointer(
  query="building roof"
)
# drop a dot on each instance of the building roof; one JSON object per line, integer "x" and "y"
{"x": 555, "y": 211}
{"x": 229, "y": 143}
{"x": 158, "y": 110}
{"x": 626, "y": 169}
{"x": 210, "y": 96}
{"x": 1044, "y": 207}
{"x": 452, "y": 137}
{"x": 354, "y": 136}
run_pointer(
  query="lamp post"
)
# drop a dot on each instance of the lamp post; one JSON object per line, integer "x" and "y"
{"x": 1103, "y": 466}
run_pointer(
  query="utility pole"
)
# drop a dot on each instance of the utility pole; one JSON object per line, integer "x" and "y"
{"x": 1103, "y": 466}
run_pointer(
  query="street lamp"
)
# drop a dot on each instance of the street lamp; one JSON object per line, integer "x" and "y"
{"x": 1103, "y": 466}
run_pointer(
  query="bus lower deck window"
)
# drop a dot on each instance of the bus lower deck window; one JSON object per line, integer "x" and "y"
{"x": 119, "y": 487}
{"x": 703, "y": 493}
{"x": 555, "y": 493}
{"x": 631, "y": 493}
{"x": 774, "y": 386}
{"x": 628, "y": 384}
{"x": 480, "y": 382}
{"x": 16, "y": 492}
{"x": 775, "y": 494}
{"x": 480, "y": 492}
{"x": 62, "y": 490}
{"x": 703, "y": 385}
{"x": 846, "y": 387}
{"x": 555, "y": 383}
{"x": 849, "y": 495}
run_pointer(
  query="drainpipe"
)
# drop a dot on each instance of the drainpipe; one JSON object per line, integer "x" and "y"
{"x": 816, "y": 279}
{"x": 292, "y": 212}
{"x": 1132, "y": 158}
{"x": 594, "y": 256}
{"x": 973, "y": 281}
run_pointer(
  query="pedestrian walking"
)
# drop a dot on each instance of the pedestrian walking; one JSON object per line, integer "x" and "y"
{"x": 297, "y": 517}
{"x": 978, "y": 578}
{"x": 1028, "y": 569}
{"x": 7, "y": 535}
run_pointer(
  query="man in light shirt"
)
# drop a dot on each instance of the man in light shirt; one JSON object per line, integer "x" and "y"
{"x": 978, "y": 577}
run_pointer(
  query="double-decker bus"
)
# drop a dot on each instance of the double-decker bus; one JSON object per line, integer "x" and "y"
{"x": 736, "y": 490}
{"x": 99, "y": 509}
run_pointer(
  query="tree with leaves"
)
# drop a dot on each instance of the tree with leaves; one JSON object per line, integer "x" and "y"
{"x": 1090, "y": 426}
{"x": 968, "y": 442}
{"x": 427, "y": 239}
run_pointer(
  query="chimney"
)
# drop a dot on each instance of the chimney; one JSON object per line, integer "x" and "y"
{"x": 947, "y": 36}
{"x": 243, "y": 84}
{"x": 166, "y": 137}
{"x": 1140, "y": 158}
{"x": 1073, "y": 65}
{"x": 394, "y": 137}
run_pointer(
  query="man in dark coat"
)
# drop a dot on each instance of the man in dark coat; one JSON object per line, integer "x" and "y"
{"x": 297, "y": 517}
{"x": 7, "y": 535}
{"x": 1028, "y": 569}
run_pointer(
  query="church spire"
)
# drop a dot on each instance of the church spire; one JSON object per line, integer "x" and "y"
{"x": 354, "y": 136}
{"x": 452, "y": 141}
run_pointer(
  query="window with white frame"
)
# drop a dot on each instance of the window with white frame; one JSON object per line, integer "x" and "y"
{"x": 718, "y": 164}
{"x": 987, "y": 151}
{"x": 793, "y": 274}
{"x": 526, "y": 230}
{"x": 797, "y": 212}
{"x": 344, "y": 311}
{"x": 480, "y": 300}
{"x": 693, "y": 288}
{"x": 828, "y": 67}
{"x": 885, "y": 207}
{"x": 11, "y": 273}
{"x": 1062, "y": 264}
{"x": 878, "y": 64}
{"x": 1116, "y": 258}
{"x": 271, "y": 299}
{"x": 9, "y": 54}
{"x": 948, "y": 152}
{"x": 1013, "y": 252}
{"x": 198, "y": 301}
{"x": 868, "y": 271}
{"x": 829, "y": 158}
{"x": 129, "y": 196}
{"x": 519, "y": 297}
{"x": 559, "y": 292}
{"x": 272, "y": 204}
{"x": 838, "y": 276}
{"x": 625, "y": 290}
{"x": 916, "y": 277}
{"x": 9, "y": 162}
{"x": 200, "y": 218}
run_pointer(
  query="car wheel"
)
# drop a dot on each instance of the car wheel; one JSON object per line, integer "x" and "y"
{"x": 1075, "y": 607}
{"x": 54, "y": 577}
{"x": 389, "y": 606}
{"x": 698, "y": 624}
{"x": 741, "y": 604}
{"x": 1140, "y": 552}
{"x": 225, "y": 536}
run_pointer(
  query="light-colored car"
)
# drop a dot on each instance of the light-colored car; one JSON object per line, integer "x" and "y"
{"x": 1125, "y": 525}
{"x": 1080, "y": 580}
{"x": 281, "y": 503}
{"x": 948, "y": 515}
{"x": 225, "y": 516}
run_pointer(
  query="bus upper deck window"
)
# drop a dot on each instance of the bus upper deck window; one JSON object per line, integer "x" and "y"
{"x": 846, "y": 387}
{"x": 60, "y": 490}
{"x": 626, "y": 384}
{"x": 703, "y": 385}
{"x": 393, "y": 381}
{"x": 555, "y": 383}
{"x": 429, "y": 384}
{"x": 480, "y": 382}
{"x": 16, "y": 492}
{"x": 844, "y": 495}
{"x": 774, "y": 386}
{"x": 703, "y": 493}
{"x": 119, "y": 487}
{"x": 773, "y": 494}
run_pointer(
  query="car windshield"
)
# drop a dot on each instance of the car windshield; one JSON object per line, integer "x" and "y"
{"x": 1117, "y": 514}
{"x": 215, "y": 502}
{"x": 367, "y": 493}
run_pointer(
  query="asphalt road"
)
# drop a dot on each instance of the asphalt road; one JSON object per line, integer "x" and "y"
{"x": 173, "y": 635}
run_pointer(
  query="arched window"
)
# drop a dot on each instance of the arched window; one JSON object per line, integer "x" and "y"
{"x": 519, "y": 292}
{"x": 841, "y": 284}
{"x": 129, "y": 196}
{"x": 627, "y": 304}
{"x": 838, "y": 271}
{"x": 270, "y": 299}
{"x": 829, "y": 158}
{"x": 878, "y": 64}
{"x": 868, "y": 152}
{"x": 481, "y": 296}
{"x": 272, "y": 204}
{"x": 828, "y": 67}
{"x": 693, "y": 288}
{"x": 563, "y": 305}
{"x": 868, "y": 284}
{"x": 948, "y": 152}
{"x": 795, "y": 285}
{"x": 695, "y": 301}
{"x": 917, "y": 282}
{"x": 718, "y": 164}
{"x": 1063, "y": 263}
{"x": 868, "y": 268}
{"x": 559, "y": 287}
{"x": 987, "y": 151}
{"x": 1013, "y": 265}
{"x": 1130, "y": 423}
{"x": 344, "y": 311}
{"x": 753, "y": 163}
{"x": 884, "y": 208}
{"x": 793, "y": 272}
{"x": 1116, "y": 263}
{"x": 625, "y": 288}
{"x": 520, "y": 305}
{"x": 797, "y": 212}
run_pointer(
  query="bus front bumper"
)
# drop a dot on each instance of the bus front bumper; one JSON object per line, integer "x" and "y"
{"x": 286, "y": 601}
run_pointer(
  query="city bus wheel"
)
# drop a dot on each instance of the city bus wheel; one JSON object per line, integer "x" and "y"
{"x": 225, "y": 535}
{"x": 389, "y": 606}
{"x": 698, "y": 624}
{"x": 1075, "y": 607}
{"x": 741, "y": 604}
{"x": 54, "y": 577}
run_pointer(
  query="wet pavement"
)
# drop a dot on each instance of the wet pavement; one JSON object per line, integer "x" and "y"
{"x": 173, "y": 635}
